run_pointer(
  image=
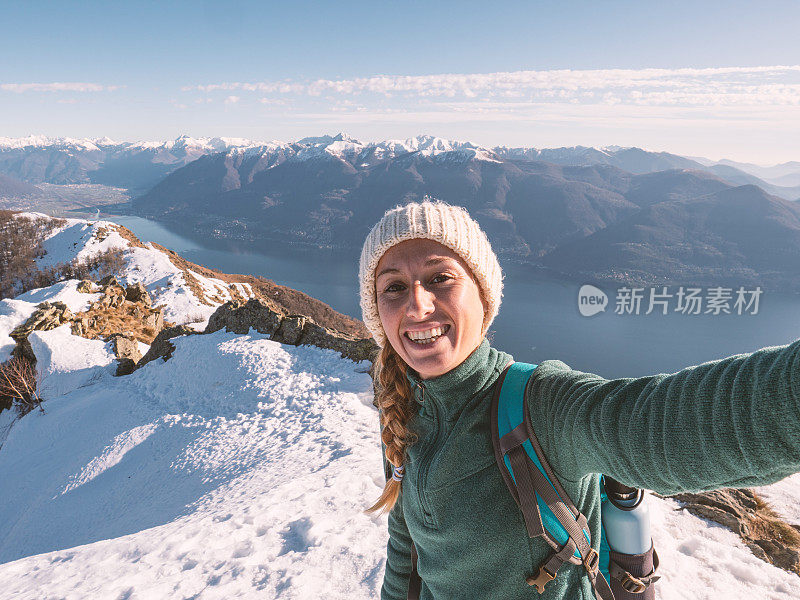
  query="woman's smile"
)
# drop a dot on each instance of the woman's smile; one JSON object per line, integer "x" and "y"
{"x": 427, "y": 337}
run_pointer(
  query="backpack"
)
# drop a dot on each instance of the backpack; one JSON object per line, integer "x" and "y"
{"x": 546, "y": 508}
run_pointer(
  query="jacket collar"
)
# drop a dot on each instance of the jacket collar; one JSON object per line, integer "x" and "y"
{"x": 453, "y": 390}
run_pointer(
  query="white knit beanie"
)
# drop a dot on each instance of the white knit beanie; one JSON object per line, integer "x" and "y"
{"x": 449, "y": 225}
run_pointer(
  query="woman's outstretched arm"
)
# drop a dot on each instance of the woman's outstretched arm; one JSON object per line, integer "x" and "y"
{"x": 733, "y": 422}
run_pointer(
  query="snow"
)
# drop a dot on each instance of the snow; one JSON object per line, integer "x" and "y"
{"x": 705, "y": 561}
{"x": 63, "y": 291}
{"x": 15, "y": 311}
{"x": 248, "y": 476}
{"x": 239, "y": 468}
{"x": 214, "y": 144}
{"x": 39, "y": 141}
{"x": 7, "y": 418}
{"x": 12, "y": 313}
{"x": 67, "y": 362}
{"x": 784, "y": 498}
{"x": 78, "y": 239}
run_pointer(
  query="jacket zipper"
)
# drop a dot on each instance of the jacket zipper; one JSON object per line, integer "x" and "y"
{"x": 427, "y": 459}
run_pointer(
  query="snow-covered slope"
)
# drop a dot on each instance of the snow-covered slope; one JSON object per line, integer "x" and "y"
{"x": 239, "y": 468}
{"x": 245, "y": 477}
{"x": 167, "y": 284}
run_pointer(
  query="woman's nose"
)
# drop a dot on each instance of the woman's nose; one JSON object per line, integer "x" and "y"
{"x": 420, "y": 301}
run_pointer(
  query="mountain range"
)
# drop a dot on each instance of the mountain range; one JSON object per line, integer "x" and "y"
{"x": 140, "y": 165}
{"x": 621, "y": 214}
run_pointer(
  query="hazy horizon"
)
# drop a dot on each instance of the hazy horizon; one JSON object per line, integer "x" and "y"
{"x": 714, "y": 79}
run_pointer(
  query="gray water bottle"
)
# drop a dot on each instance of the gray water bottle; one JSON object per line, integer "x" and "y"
{"x": 626, "y": 519}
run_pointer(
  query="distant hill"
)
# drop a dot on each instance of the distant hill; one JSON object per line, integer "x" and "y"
{"x": 633, "y": 160}
{"x": 535, "y": 204}
{"x": 785, "y": 174}
{"x": 735, "y": 236}
{"x": 132, "y": 165}
{"x": 332, "y": 200}
{"x": 740, "y": 177}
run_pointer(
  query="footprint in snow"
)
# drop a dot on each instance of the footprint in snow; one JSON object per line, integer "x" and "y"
{"x": 296, "y": 538}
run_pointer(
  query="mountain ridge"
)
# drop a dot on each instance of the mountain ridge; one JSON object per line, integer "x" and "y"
{"x": 140, "y": 165}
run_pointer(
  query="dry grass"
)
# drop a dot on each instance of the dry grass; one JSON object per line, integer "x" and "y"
{"x": 767, "y": 524}
{"x": 125, "y": 318}
{"x": 124, "y": 232}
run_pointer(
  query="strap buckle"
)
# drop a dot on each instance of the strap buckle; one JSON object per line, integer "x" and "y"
{"x": 591, "y": 562}
{"x": 543, "y": 577}
{"x": 632, "y": 584}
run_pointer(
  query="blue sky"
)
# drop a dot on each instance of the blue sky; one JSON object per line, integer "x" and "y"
{"x": 696, "y": 78}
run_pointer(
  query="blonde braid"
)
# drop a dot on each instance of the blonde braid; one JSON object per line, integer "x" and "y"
{"x": 396, "y": 405}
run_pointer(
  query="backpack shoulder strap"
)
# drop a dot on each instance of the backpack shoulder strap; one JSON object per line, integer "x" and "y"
{"x": 546, "y": 508}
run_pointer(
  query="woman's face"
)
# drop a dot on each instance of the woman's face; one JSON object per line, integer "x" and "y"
{"x": 423, "y": 289}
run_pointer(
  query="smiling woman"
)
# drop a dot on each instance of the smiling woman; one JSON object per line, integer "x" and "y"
{"x": 430, "y": 288}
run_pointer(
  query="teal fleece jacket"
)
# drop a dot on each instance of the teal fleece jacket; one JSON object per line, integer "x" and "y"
{"x": 733, "y": 422}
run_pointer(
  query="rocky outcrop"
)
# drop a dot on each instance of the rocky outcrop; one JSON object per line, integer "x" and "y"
{"x": 118, "y": 310}
{"x": 87, "y": 286}
{"x": 238, "y": 317}
{"x": 122, "y": 315}
{"x": 283, "y": 299}
{"x": 126, "y": 349}
{"x": 107, "y": 281}
{"x": 48, "y": 315}
{"x": 745, "y": 513}
{"x": 161, "y": 346}
{"x": 138, "y": 293}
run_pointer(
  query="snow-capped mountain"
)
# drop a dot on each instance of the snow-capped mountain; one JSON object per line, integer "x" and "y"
{"x": 134, "y": 165}
{"x": 240, "y": 467}
{"x": 141, "y": 165}
{"x": 362, "y": 154}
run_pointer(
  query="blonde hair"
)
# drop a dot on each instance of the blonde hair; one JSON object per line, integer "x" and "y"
{"x": 395, "y": 402}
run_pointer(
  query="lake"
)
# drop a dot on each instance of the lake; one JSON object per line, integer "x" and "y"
{"x": 539, "y": 318}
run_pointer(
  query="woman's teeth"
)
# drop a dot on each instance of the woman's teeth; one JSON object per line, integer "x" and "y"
{"x": 427, "y": 337}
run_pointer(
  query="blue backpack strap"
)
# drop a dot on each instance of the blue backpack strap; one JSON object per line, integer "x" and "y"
{"x": 547, "y": 510}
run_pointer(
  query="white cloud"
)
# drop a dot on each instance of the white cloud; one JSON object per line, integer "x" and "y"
{"x": 232, "y": 99}
{"x": 20, "y": 88}
{"x": 776, "y": 85}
